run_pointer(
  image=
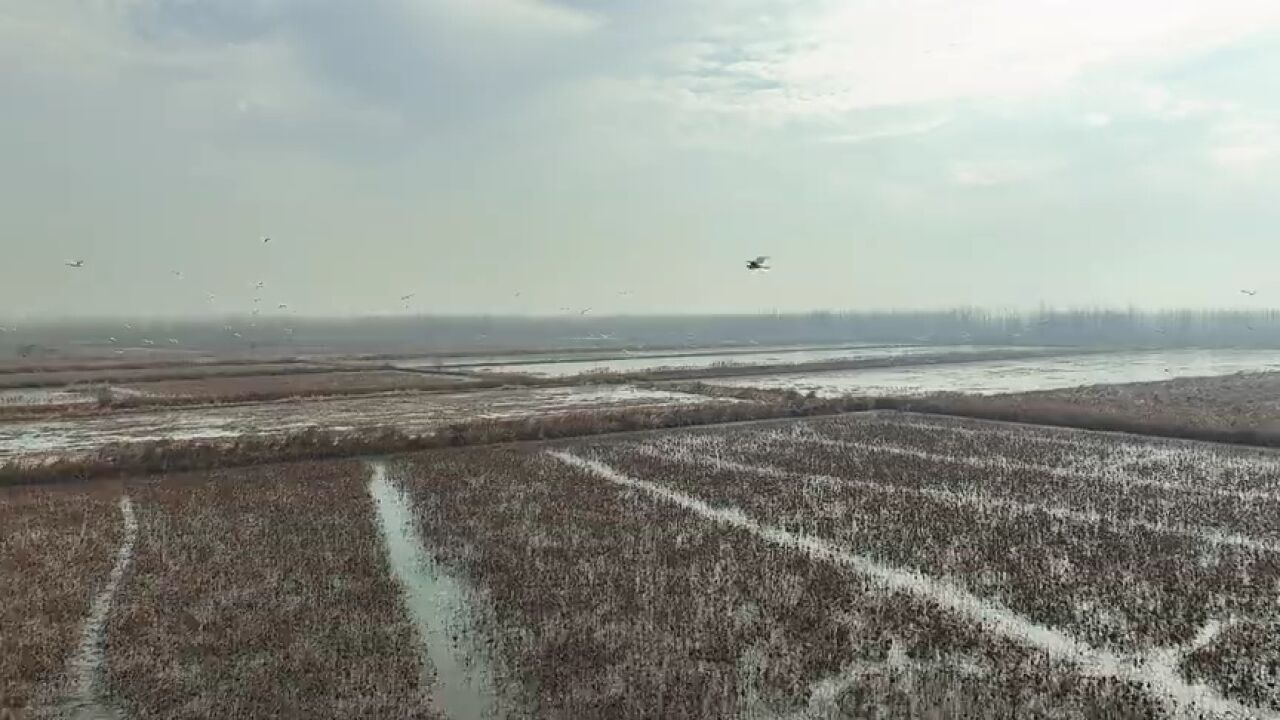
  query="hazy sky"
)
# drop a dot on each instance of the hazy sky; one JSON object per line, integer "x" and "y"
{"x": 886, "y": 153}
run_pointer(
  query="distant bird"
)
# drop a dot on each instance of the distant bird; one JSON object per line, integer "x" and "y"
{"x": 228, "y": 328}
{"x": 407, "y": 298}
{"x": 119, "y": 352}
{"x": 758, "y": 263}
{"x": 259, "y": 285}
{"x": 128, "y": 326}
{"x": 148, "y": 341}
{"x": 517, "y": 293}
{"x": 210, "y": 296}
{"x": 584, "y": 311}
{"x": 624, "y": 293}
{"x": 282, "y": 306}
{"x": 257, "y": 300}
{"x": 237, "y": 335}
{"x": 1250, "y": 293}
{"x": 74, "y": 263}
{"x": 255, "y": 311}
{"x": 288, "y": 331}
{"x": 177, "y": 274}
{"x": 112, "y": 340}
{"x": 266, "y": 240}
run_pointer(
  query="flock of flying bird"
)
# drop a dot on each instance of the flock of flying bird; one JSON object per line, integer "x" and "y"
{"x": 758, "y": 264}
{"x": 259, "y": 285}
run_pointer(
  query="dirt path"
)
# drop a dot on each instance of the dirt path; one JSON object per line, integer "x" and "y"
{"x": 84, "y": 672}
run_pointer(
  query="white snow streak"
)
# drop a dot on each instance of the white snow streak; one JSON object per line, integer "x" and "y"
{"x": 1213, "y": 536}
{"x": 1156, "y": 674}
{"x": 85, "y": 670}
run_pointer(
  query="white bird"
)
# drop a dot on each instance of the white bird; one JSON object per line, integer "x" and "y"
{"x": 584, "y": 311}
{"x": 259, "y": 285}
{"x": 227, "y": 328}
{"x": 74, "y": 263}
{"x": 119, "y": 352}
{"x": 1250, "y": 293}
{"x": 174, "y": 341}
{"x": 128, "y": 326}
{"x": 112, "y": 340}
{"x": 148, "y": 341}
{"x": 236, "y": 334}
{"x": 288, "y": 331}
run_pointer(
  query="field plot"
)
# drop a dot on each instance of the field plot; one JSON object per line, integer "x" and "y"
{"x": 64, "y": 378}
{"x": 627, "y": 364}
{"x": 57, "y": 550}
{"x": 38, "y": 440}
{"x": 252, "y": 387}
{"x": 1247, "y": 403}
{"x": 991, "y": 377}
{"x": 262, "y": 593}
{"x": 44, "y": 397}
{"x": 880, "y": 564}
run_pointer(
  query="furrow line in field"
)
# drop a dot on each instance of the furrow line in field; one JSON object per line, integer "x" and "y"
{"x": 1104, "y": 473}
{"x": 1209, "y": 535}
{"x": 1156, "y": 673}
{"x": 1005, "y": 463}
{"x": 84, "y": 672}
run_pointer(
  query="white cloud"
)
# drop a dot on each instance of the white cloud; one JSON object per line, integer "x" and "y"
{"x": 858, "y": 136}
{"x": 824, "y": 58}
{"x": 1244, "y": 145}
{"x": 1097, "y": 120}
{"x": 525, "y": 17}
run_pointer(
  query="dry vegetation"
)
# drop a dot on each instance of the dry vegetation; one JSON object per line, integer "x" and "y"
{"x": 612, "y": 602}
{"x": 57, "y": 546}
{"x": 609, "y": 604}
{"x": 70, "y": 378}
{"x": 162, "y": 456}
{"x": 262, "y": 593}
{"x": 1243, "y": 408}
{"x": 264, "y": 387}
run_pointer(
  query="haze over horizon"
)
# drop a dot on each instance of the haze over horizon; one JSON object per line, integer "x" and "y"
{"x": 627, "y": 156}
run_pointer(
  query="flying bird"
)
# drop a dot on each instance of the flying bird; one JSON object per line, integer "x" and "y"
{"x": 282, "y": 306}
{"x": 74, "y": 263}
{"x": 407, "y": 298}
{"x": 266, "y": 240}
{"x": 758, "y": 263}
{"x": 259, "y": 285}
{"x": 1250, "y": 293}
{"x": 237, "y": 335}
{"x": 177, "y": 274}
{"x": 148, "y": 341}
{"x": 584, "y": 311}
{"x": 174, "y": 341}
{"x": 128, "y": 326}
{"x": 111, "y": 340}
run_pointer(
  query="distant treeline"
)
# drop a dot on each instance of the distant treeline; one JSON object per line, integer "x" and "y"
{"x": 449, "y": 335}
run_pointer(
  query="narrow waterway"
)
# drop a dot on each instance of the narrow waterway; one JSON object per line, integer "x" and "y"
{"x": 463, "y": 685}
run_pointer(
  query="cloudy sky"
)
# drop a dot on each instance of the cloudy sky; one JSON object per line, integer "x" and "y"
{"x": 525, "y": 156}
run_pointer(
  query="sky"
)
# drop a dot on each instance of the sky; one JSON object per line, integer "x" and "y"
{"x": 628, "y": 156}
